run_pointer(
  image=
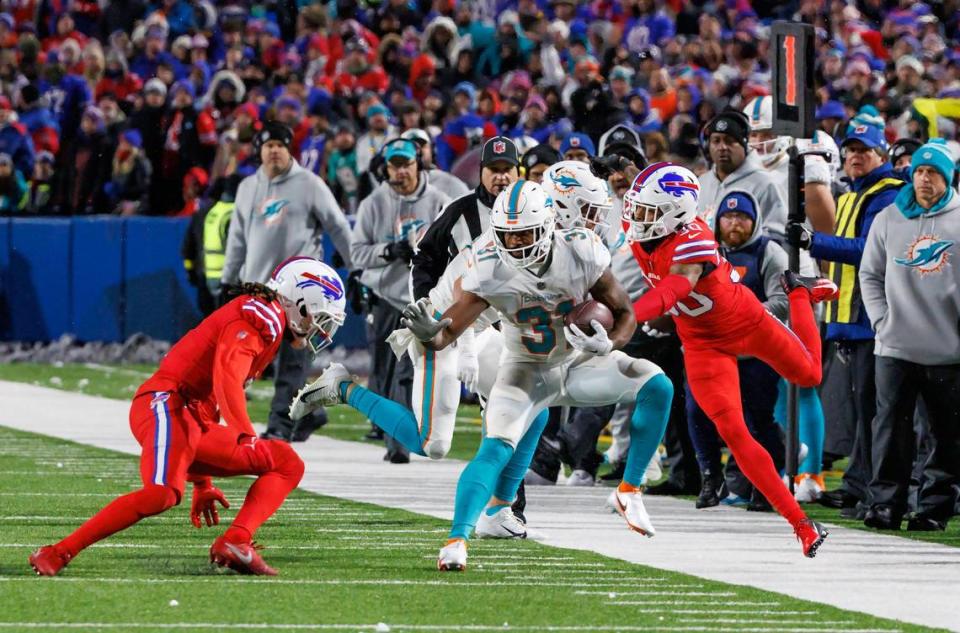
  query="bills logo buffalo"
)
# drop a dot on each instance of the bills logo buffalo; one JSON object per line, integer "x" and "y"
{"x": 331, "y": 288}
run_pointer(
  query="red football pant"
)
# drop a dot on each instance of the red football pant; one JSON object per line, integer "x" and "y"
{"x": 176, "y": 447}
{"x": 715, "y": 383}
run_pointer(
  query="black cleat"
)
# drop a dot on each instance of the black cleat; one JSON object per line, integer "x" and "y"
{"x": 820, "y": 288}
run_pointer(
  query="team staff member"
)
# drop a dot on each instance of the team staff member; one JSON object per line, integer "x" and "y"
{"x": 282, "y": 210}
{"x": 389, "y": 222}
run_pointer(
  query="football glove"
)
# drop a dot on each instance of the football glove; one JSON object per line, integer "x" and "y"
{"x": 418, "y": 318}
{"x": 205, "y": 499}
{"x": 598, "y": 343}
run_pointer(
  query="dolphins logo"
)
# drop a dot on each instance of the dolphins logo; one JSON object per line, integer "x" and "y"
{"x": 927, "y": 254}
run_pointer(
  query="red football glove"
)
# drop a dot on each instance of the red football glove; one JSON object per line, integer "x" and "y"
{"x": 205, "y": 497}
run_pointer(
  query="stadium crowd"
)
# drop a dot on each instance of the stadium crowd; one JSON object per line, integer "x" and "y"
{"x": 382, "y": 113}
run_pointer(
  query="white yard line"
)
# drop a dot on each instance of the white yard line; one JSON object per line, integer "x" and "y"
{"x": 853, "y": 570}
{"x": 409, "y": 627}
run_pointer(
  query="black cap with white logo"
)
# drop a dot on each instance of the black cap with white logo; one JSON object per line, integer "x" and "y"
{"x": 499, "y": 148}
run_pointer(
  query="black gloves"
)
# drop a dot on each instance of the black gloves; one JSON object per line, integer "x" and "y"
{"x": 337, "y": 260}
{"x": 799, "y": 236}
{"x": 358, "y": 295}
{"x": 604, "y": 167}
{"x": 398, "y": 250}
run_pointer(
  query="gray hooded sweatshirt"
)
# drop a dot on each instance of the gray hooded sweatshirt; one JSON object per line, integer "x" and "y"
{"x": 910, "y": 284}
{"x": 385, "y": 217}
{"x": 755, "y": 180}
{"x": 281, "y": 218}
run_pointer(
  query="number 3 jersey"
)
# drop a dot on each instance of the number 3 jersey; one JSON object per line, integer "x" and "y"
{"x": 531, "y": 307}
{"x": 719, "y": 308}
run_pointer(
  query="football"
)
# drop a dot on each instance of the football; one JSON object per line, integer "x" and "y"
{"x": 590, "y": 310}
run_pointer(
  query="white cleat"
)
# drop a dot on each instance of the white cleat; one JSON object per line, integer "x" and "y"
{"x": 809, "y": 489}
{"x": 533, "y": 478}
{"x": 629, "y": 505}
{"x": 504, "y": 524}
{"x": 324, "y": 391}
{"x": 453, "y": 556}
{"x": 653, "y": 472}
{"x": 580, "y": 478}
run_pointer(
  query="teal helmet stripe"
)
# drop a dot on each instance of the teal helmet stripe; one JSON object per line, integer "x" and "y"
{"x": 756, "y": 108}
{"x": 514, "y": 199}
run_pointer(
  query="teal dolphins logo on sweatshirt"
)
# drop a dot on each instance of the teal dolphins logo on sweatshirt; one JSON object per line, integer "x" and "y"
{"x": 272, "y": 209}
{"x": 927, "y": 254}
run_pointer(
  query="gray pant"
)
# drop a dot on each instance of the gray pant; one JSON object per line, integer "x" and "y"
{"x": 389, "y": 377}
{"x": 899, "y": 383}
{"x": 291, "y": 374}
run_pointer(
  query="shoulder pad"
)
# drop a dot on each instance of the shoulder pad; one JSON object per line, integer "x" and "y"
{"x": 266, "y": 318}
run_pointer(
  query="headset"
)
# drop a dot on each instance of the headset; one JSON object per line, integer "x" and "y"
{"x": 378, "y": 166}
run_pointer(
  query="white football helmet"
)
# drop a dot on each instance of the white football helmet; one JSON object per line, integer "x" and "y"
{"x": 662, "y": 198}
{"x": 821, "y": 143}
{"x": 523, "y": 206}
{"x": 760, "y": 113}
{"x": 579, "y": 197}
{"x": 312, "y": 297}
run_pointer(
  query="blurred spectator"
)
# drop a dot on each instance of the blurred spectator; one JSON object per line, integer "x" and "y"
{"x": 578, "y": 146}
{"x": 15, "y": 139}
{"x": 190, "y": 140}
{"x": 909, "y": 292}
{"x": 85, "y": 167}
{"x": 39, "y": 120}
{"x": 537, "y": 160}
{"x": 449, "y": 184}
{"x": 195, "y": 182}
{"x": 41, "y": 192}
{"x": 13, "y": 188}
{"x": 380, "y": 130}
{"x": 128, "y": 191}
{"x": 342, "y": 172}
{"x": 117, "y": 79}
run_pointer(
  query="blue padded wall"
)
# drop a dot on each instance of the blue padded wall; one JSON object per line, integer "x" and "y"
{"x": 39, "y": 279}
{"x": 97, "y": 268}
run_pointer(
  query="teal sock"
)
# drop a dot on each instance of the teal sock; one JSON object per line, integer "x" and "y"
{"x": 396, "y": 420}
{"x": 811, "y": 421}
{"x": 476, "y": 485}
{"x": 492, "y": 510}
{"x": 516, "y": 468}
{"x": 647, "y": 425}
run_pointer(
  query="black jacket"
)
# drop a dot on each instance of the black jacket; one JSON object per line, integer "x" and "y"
{"x": 457, "y": 226}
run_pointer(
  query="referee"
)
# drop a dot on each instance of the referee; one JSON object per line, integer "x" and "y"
{"x": 464, "y": 219}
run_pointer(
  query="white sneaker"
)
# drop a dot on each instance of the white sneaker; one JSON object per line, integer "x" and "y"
{"x": 533, "y": 478}
{"x": 453, "y": 556}
{"x": 580, "y": 478}
{"x": 809, "y": 489}
{"x": 324, "y": 391}
{"x": 630, "y": 506}
{"x": 502, "y": 524}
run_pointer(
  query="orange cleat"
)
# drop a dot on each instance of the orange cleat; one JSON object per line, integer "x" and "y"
{"x": 242, "y": 558}
{"x": 811, "y": 535}
{"x": 47, "y": 561}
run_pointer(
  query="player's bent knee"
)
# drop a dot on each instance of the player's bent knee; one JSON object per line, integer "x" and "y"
{"x": 657, "y": 391}
{"x": 286, "y": 461}
{"x": 156, "y": 498}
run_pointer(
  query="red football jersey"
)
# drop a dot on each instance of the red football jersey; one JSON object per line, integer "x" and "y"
{"x": 209, "y": 366}
{"x": 718, "y": 308}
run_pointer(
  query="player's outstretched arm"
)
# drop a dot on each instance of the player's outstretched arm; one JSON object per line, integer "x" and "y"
{"x": 668, "y": 291}
{"x": 609, "y": 292}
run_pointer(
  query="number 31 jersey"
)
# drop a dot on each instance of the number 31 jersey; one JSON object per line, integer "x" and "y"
{"x": 531, "y": 307}
{"x": 719, "y": 308}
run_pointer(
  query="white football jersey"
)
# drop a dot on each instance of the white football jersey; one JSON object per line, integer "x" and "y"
{"x": 532, "y": 308}
{"x": 444, "y": 294}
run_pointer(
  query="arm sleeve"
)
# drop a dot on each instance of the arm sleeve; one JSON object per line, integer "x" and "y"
{"x": 774, "y": 263}
{"x": 664, "y": 296}
{"x": 238, "y": 346}
{"x": 332, "y": 219}
{"x": 365, "y": 251}
{"x": 873, "y": 272}
{"x": 849, "y": 250}
{"x": 236, "y": 248}
{"x": 433, "y": 252}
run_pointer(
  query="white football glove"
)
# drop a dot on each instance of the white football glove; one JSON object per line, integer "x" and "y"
{"x": 653, "y": 332}
{"x": 468, "y": 365}
{"x": 599, "y": 343}
{"x": 418, "y": 318}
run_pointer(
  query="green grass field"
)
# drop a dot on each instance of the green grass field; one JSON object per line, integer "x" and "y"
{"x": 344, "y": 566}
{"x": 120, "y": 382}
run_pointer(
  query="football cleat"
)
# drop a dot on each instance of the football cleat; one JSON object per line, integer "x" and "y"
{"x": 533, "y": 478}
{"x": 808, "y": 488}
{"x": 324, "y": 391}
{"x": 47, "y": 561}
{"x": 504, "y": 524}
{"x": 811, "y": 535}
{"x": 242, "y": 558}
{"x": 580, "y": 478}
{"x": 820, "y": 288}
{"x": 453, "y": 555}
{"x": 629, "y": 505}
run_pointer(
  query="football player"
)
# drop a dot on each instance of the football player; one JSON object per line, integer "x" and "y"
{"x": 175, "y": 416}
{"x": 718, "y": 320}
{"x": 533, "y": 275}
